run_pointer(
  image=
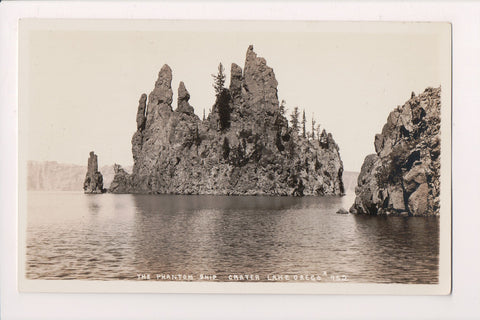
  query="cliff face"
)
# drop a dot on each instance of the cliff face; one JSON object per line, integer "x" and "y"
{"x": 403, "y": 177}
{"x": 243, "y": 147}
{"x": 93, "y": 179}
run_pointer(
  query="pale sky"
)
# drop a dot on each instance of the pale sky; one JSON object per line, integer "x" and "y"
{"x": 80, "y": 82}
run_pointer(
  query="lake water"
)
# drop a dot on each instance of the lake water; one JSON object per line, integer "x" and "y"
{"x": 111, "y": 237}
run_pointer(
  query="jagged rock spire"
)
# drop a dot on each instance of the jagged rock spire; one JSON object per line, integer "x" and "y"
{"x": 259, "y": 81}
{"x": 182, "y": 100}
{"x": 162, "y": 93}
{"x": 93, "y": 179}
{"x": 236, "y": 79}
{"x": 160, "y": 99}
{"x": 92, "y": 162}
{"x": 141, "y": 118}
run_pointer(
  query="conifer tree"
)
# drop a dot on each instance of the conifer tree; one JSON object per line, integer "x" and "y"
{"x": 282, "y": 108}
{"x": 313, "y": 126}
{"x": 294, "y": 120}
{"x": 197, "y": 139}
{"x": 219, "y": 79}
{"x": 304, "y": 121}
{"x": 203, "y": 114}
{"x": 226, "y": 148}
{"x": 223, "y": 109}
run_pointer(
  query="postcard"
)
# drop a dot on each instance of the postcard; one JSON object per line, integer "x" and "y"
{"x": 181, "y": 156}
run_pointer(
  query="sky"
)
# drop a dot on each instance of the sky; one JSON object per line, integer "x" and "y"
{"x": 80, "y": 81}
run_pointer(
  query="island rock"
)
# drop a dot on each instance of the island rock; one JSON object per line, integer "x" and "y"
{"x": 93, "y": 180}
{"x": 243, "y": 147}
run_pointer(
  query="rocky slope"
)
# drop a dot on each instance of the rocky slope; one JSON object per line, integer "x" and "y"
{"x": 244, "y": 147}
{"x": 93, "y": 179}
{"x": 403, "y": 176}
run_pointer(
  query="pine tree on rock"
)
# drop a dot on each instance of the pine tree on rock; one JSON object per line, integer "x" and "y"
{"x": 294, "y": 120}
{"x": 226, "y": 148}
{"x": 219, "y": 79}
{"x": 304, "y": 122}
{"x": 318, "y": 132}
{"x": 313, "y": 127}
{"x": 244, "y": 147}
{"x": 282, "y": 107}
{"x": 223, "y": 109}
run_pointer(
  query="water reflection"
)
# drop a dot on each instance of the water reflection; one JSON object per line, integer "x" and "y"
{"x": 406, "y": 249}
{"x": 94, "y": 205}
{"x": 74, "y": 236}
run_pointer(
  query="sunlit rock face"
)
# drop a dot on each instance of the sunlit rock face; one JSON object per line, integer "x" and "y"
{"x": 403, "y": 176}
{"x": 243, "y": 147}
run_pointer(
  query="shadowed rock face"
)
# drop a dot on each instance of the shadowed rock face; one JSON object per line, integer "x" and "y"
{"x": 403, "y": 177}
{"x": 93, "y": 179}
{"x": 243, "y": 147}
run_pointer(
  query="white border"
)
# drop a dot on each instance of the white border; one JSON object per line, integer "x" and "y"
{"x": 465, "y": 299}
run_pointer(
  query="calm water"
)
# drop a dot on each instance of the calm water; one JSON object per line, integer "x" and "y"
{"x": 108, "y": 237}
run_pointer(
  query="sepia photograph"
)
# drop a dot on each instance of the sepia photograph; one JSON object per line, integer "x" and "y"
{"x": 234, "y": 156}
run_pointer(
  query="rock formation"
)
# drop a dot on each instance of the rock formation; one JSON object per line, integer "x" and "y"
{"x": 120, "y": 183}
{"x": 243, "y": 147}
{"x": 403, "y": 177}
{"x": 93, "y": 179}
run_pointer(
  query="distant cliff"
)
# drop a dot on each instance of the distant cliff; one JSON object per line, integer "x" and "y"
{"x": 403, "y": 176}
{"x": 54, "y": 176}
{"x": 244, "y": 147}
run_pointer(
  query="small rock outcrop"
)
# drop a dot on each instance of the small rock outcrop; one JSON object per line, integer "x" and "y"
{"x": 403, "y": 176}
{"x": 121, "y": 180}
{"x": 93, "y": 180}
{"x": 243, "y": 147}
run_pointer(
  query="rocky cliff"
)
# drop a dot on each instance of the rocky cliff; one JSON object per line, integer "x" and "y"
{"x": 93, "y": 179}
{"x": 403, "y": 176}
{"x": 243, "y": 147}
